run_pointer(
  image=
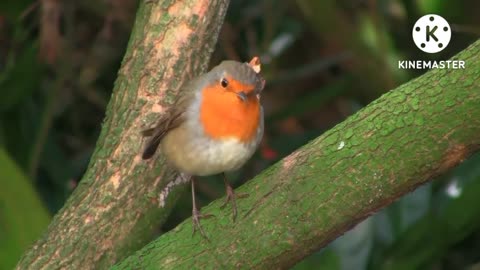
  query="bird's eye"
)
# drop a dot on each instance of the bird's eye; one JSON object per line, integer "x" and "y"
{"x": 224, "y": 82}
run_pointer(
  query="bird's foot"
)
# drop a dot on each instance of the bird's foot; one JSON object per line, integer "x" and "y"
{"x": 196, "y": 216}
{"x": 231, "y": 197}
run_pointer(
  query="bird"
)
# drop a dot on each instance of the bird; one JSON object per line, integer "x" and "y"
{"x": 214, "y": 127}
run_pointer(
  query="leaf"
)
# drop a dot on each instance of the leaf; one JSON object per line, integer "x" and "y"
{"x": 22, "y": 215}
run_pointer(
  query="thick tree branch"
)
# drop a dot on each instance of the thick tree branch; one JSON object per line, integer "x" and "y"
{"x": 400, "y": 141}
{"x": 115, "y": 209}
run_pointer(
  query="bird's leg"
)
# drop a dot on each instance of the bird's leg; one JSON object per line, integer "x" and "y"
{"x": 231, "y": 197}
{"x": 196, "y": 215}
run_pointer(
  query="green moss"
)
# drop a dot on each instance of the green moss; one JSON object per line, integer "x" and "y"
{"x": 399, "y": 123}
{"x": 408, "y": 119}
{"x": 348, "y": 133}
{"x": 450, "y": 102}
{"x": 469, "y": 81}
{"x": 194, "y": 21}
{"x": 418, "y": 120}
{"x": 399, "y": 97}
{"x": 414, "y": 103}
{"x": 165, "y": 4}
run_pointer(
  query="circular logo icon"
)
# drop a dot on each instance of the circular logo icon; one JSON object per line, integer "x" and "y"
{"x": 431, "y": 33}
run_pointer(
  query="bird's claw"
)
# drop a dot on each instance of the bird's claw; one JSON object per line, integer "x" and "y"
{"x": 231, "y": 197}
{"x": 196, "y": 216}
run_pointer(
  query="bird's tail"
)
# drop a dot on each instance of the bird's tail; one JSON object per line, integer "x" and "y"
{"x": 152, "y": 143}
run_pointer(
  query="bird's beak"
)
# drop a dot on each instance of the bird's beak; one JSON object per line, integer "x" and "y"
{"x": 242, "y": 96}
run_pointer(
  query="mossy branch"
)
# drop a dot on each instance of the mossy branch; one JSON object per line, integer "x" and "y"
{"x": 400, "y": 141}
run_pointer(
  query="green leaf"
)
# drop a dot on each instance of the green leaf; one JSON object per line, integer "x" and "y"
{"x": 22, "y": 215}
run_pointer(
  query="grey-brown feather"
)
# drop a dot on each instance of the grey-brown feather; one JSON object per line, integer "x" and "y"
{"x": 243, "y": 73}
{"x": 171, "y": 120}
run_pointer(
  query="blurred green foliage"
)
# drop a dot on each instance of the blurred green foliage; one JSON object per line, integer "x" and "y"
{"x": 323, "y": 61}
{"x": 22, "y": 215}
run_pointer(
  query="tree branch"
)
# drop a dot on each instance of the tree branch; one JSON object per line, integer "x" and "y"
{"x": 400, "y": 141}
{"x": 115, "y": 209}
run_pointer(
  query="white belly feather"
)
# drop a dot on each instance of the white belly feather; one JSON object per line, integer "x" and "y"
{"x": 202, "y": 156}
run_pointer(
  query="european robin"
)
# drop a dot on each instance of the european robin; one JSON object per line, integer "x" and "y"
{"x": 214, "y": 127}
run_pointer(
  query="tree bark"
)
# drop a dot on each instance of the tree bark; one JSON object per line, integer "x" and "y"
{"x": 400, "y": 141}
{"x": 115, "y": 209}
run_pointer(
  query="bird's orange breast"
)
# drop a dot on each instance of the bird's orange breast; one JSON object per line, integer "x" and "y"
{"x": 224, "y": 115}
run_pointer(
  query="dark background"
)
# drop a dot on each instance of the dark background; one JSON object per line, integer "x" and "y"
{"x": 323, "y": 60}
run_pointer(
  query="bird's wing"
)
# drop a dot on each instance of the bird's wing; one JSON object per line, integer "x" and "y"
{"x": 171, "y": 120}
